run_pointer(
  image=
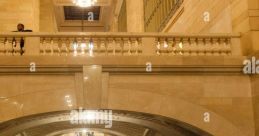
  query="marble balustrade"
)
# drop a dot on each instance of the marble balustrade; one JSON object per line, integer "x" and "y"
{"x": 120, "y": 44}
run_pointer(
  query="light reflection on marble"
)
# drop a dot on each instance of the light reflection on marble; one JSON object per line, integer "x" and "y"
{"x": 35, "y": 94}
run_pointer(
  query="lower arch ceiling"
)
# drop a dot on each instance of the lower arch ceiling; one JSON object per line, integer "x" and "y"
{"x": 123, "y": 123}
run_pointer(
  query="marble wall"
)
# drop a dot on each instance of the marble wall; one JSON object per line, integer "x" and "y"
{"x": 23, "y": 95}
{"x": 187, "y": 98}
{"x": 182, "y": 97}
{"x": 192, "y": 19}
{"x": 47, "y": 16}
{"x": 239, "y": 15}
{"x": 225, "y": 16}
{"x": 13, "y": 12}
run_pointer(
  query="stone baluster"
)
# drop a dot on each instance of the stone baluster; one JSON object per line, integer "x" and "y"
{"x": 126, "y": 46}
{"x": 193, "y": 46}
{"x": 118, "y": 46}
{"x": 219, "y": 47}
{"x": 63, "y": 48}
{"x": 171, "y": 46}
{"x": 78, "y": 46}
{"x": 130, "y": 46}
{"x": 158, "y": 46}
{"x": 9, "y": 46}
{"x": 174, "y": 46}
{"x": 73, "y": 47}
{"x": 68, "y": 43}
{"x": 110, "y": 48}
{"x": 134, "y": 46}
{"x": 55, "y": 46}
{"x": 2, "y": 46}
{"x": 178, "y": 46}
{"x": 95, "y": 45}
{"x": 201, "y": 46}
{"x": 225, "y": 46}
{"x": 140, "y": 46}
{"x": 48, "y": 48}
{"x": 42, "y": 46}
{"x": 103, "y": 47}
{"x": 83, "y": 45}
{"x": 90, "y": 47}
{"x": 164, "y": 46}
{"x": 215, "y": 48}
{"x": 14, "y": 43}
{"x": 228, "y": 46}
{"x": 208, "y": 47}
{"x": 16, "y": 46}
{"x": 186, "y": 46}
{"x": 113, "y": 43}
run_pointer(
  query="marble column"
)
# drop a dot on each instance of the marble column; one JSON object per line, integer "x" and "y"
{"x": 92, "y": 87}
{"x": 135, "y": 15}
{"x": 251, "y": 42}
{"x": 47, "y": 16}
{"x": 245, "y": 19}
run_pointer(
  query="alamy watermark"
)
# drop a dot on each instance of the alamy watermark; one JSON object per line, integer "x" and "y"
{"x": 91, "y": 117}
{"x": 251, "y": 66}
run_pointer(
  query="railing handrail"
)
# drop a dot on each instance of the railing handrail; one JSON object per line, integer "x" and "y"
{"x": 116, "y": 34}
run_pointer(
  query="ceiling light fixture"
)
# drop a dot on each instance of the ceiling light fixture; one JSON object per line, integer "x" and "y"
{"x": 85, "y": 3}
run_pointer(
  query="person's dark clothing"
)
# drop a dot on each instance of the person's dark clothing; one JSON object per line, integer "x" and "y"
{"x": 22, "y": 42}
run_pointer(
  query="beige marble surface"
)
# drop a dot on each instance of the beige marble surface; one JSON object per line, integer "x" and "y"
{"x": 13, "y": 12}
{"x": 182, "y": 96}
{"x": 188, "y": 98}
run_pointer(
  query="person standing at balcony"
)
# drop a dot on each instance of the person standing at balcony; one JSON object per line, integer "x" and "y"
{"x": 20, "y": 28}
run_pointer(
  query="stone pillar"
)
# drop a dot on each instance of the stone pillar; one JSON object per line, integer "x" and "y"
{"x": 47, "y": 16}
{"x": 36, "y": 15}
{"x": 247, "y": 22}
{"x": 92, "y": 87}
{"x": 149, "y": 46}
{"x": 255, "y": 93}
{"x": 114, "y": 25}
{"x": 245, "y": 19}
{"x": 135, "y": 15}
{"x": 253, "y": 12}
{"x": 32, "y": 46}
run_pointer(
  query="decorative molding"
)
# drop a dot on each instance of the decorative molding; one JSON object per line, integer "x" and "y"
{"x": 235, "y": 69}
{"x": 117, "y": 34}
